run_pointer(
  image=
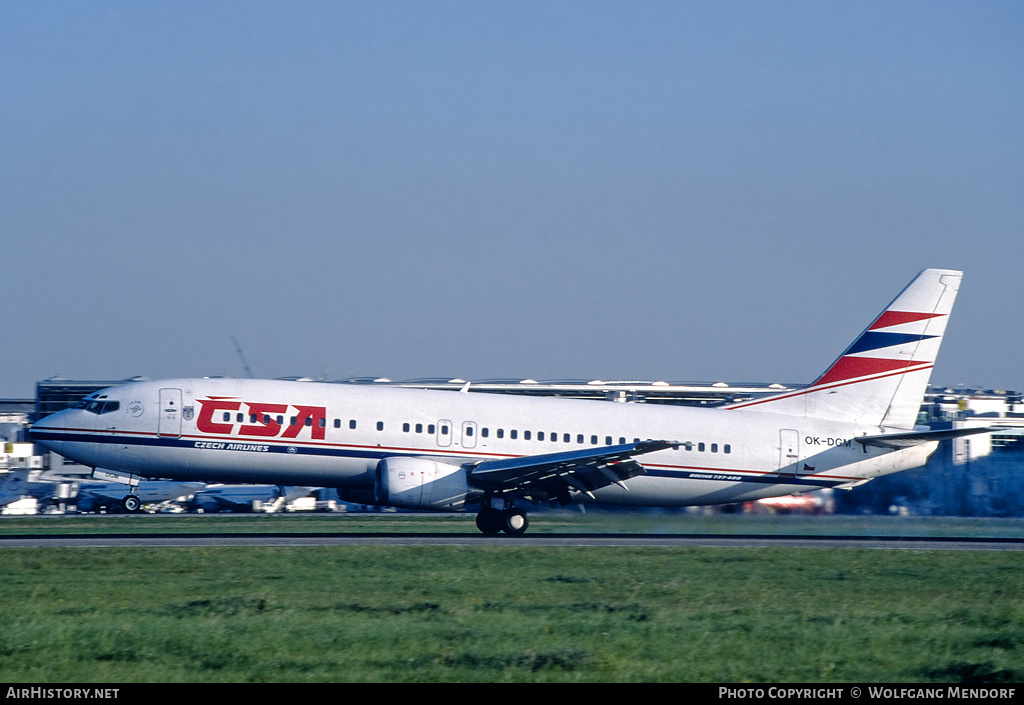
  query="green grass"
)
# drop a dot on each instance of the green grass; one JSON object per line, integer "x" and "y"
{"x": 542, "y": 522}
{"x": 505, "y": 613}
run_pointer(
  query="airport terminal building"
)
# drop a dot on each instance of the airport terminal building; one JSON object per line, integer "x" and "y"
{"x": 979, "y": 475}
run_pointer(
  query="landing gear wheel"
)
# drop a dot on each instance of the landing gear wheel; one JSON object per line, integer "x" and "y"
{"x": 514, "y": 522}
{"x": 131, "y": 504}
{"x": 489, "y": 521}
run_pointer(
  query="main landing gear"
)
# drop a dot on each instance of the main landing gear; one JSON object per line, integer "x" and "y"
{"x": 510, "y": 519}
{"x": 131, "y": 504}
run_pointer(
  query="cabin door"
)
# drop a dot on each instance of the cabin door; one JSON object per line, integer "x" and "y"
{"x": 789, "y": 451}
{"x": 444, "y": 433}
{"x": 469, "y": 434}
{"x": 169, "y": 424}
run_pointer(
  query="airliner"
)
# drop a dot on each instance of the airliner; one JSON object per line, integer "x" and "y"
{"x": 455, "y": 450}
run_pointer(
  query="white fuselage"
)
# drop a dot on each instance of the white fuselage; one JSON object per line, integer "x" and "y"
{"x": 334, "y": 435}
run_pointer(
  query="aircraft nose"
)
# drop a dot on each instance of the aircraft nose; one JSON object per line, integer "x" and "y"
{"x": 41, "y": 432}
{"x": 37, "y": 428}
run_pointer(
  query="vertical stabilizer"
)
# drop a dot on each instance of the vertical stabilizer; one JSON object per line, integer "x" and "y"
{"x": 881, "y": 378}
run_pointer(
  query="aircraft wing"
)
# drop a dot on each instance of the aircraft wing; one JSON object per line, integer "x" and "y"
{"x": 554, "y": 475}
{"x": 913, "y": 438}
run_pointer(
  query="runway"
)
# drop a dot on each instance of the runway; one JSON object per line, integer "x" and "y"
{"x": 193, "y": 540}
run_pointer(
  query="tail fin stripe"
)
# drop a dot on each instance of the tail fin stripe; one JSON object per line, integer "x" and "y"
{"x": 877, "y": 341}
{"x": 835, "y": 383}
{"x": 895, "y": 318}
{"x": 855, "y": 367}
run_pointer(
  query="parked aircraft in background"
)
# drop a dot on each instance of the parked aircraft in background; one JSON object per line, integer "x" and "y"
{"x": 443, "y": 450}
{"x": 89, "y": 496}
{"x": 222, "y": 498}
{"x": 18, "y": 484}
{"x": 111, "y": 496}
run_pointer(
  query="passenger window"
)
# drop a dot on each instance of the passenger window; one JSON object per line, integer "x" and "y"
{"x": 380, "y": 425}
{"x": 240, "y": 417}
{"x": 469, "y": 430}
{"x": 621, "y": 440}
{"x": 352, "y": 424}
{"x": 526, "y": 435}
{"x": 727, "y": 448}
{"x": 540, "y": 436}
{"x": 484, "y": 432}
{"x": 501, "y": 433}
{"x": 227, "y": 414}
{"x": 337, "y": 423}
{"x": 714, "y": 447}
{"x": 593, "y": 440}
{"x": 565, "y": 438}
{"x": 513, "y": 434}
{"x": 700, "y": 447}
{"x": 419, "y": 428}
{"x": 430, "y": 429}
{"x": 579, "y": 438}
{"x": 405, "y": 427}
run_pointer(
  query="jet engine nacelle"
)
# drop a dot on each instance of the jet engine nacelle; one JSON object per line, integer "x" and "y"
{"x": 420, "y": 483}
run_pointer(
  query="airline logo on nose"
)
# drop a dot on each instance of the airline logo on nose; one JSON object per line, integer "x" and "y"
{"x": 260, "y": 419}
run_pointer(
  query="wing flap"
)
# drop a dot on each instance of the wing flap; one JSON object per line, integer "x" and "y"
{"x": 555, "y": 474}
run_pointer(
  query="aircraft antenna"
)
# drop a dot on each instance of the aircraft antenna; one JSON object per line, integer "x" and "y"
{"x": 241, "y": 356}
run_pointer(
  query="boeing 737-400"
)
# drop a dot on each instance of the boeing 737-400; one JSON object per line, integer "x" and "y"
{"x": 446, "y": 450}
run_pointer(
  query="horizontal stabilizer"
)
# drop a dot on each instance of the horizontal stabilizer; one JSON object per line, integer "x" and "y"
{"x": 851, "y": 485}
{"x": 895, "y": 441}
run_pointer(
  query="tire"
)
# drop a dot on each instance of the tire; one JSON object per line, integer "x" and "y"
{"x": 131, "y": 504}
{"x": 514, "y": 522}
{"x": 489, "y": 521}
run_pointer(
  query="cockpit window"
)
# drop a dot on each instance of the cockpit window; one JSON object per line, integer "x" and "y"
{"x": 98, "y": 406}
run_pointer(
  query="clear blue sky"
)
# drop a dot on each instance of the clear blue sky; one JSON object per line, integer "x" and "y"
{"x": 654, "y": 190}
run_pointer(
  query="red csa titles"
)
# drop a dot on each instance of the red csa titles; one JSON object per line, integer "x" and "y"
{"x": 263, "y": 419}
